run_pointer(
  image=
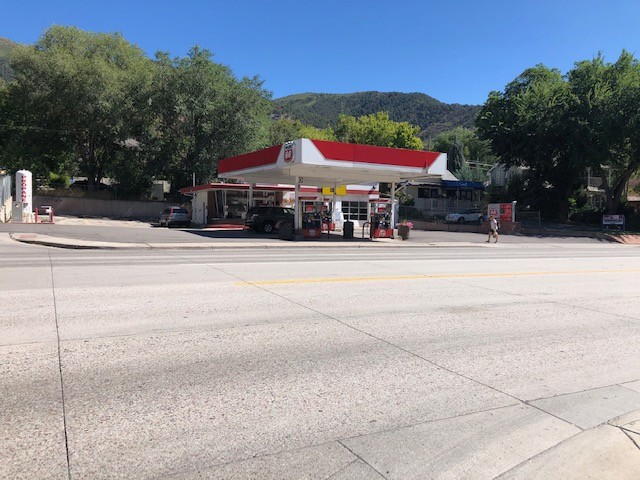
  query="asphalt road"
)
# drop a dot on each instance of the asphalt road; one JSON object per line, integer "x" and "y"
{"x": 308, "y": 363}
{"x": 108, "y": 230}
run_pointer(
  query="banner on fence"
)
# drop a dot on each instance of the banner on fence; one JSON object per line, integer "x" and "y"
{"x": 504, "y": 212}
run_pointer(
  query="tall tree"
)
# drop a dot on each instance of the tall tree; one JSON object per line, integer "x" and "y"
{"x": 607, "y": 115}
{"x": 204, "y": 115}
{"x": 560, "y": 126}
{"x": 531, "y": 123}
{"x": 78, "y": 96}
{"x": 378, "y": 129}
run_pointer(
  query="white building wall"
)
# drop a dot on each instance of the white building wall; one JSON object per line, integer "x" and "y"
{"x": 199, "y": 208}
{"x": 5, "y": 210}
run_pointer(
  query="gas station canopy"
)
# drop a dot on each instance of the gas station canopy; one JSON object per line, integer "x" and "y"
{"x": 323, "y": 163}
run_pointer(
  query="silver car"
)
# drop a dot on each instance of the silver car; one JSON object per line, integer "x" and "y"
{"x": 174, "y": 216}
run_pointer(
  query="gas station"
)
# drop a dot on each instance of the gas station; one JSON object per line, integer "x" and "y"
{"x": 321, "y": 174}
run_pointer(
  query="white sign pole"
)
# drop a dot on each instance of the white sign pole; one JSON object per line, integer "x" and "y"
{"x": 393, "y": 208}
{"x": 296, "y": 207}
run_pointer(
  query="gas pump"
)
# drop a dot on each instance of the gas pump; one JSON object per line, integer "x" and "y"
{"x": 311, "y": 220}
{"x": 316, "y": 218}
{"x": 328, "y": 224}
{"x": 380, "y": 220}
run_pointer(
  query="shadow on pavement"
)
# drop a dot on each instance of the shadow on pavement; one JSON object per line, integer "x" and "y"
{"x": 251, "y": 235}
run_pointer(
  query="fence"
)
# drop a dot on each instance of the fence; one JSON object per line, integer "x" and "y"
{"x": 436, "y": 209}
{"x": 440, "y": 207}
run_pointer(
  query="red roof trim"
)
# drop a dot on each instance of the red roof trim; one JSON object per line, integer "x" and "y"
{"x": 259, "y": 158}
{"x": 234, "y": 186}
{"x": 352, "y": 152}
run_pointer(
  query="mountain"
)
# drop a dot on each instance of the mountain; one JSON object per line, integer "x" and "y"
{"x": 6, "y": 46}
{"x": 431, "y": 115}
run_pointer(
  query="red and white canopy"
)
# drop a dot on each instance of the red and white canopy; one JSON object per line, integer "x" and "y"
{"x": 323, "y": 163}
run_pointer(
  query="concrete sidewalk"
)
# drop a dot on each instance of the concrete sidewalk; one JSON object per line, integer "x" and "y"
{"x": 608, "y": 451}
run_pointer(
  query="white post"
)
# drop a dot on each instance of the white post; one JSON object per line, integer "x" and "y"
{"x": 333, "y": 205}
{"x": 297, "y": 218}
{"x": 393, "y": 208}
{"x": 250, "y": 197}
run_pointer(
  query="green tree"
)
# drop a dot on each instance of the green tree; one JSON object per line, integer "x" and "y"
{"x": 461, "y": 146}
{"x": 309, "y": 131}
{"x": 285, "y": 129}
{"x": 204, "y": 114}
{"x": 471, "y": 173}
{"x": 76, "y": 99}
{"x": 607, "y": 117}
{"x": 561, "y": 125}
{"x": 378, "y": 129}
{"x": 532, "y": 123}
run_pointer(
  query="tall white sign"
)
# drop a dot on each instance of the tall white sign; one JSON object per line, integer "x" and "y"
{"x": 24, "y": 193}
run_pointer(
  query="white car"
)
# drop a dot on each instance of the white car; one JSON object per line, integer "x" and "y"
{"x": 468, "y": 216}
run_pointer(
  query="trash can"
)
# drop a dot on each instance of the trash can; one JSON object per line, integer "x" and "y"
{"x": 347, "y": 230}
{"x": 285, "y": 232}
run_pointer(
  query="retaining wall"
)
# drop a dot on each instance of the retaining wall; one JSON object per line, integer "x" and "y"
{"x": 505, "y": 227}
{"x": 93, "y": 207}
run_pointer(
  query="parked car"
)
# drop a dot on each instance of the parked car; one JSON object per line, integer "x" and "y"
{"x": 174, "y": 216}
{"x": 470, "y": 216}
{"x": 266, "y": 219}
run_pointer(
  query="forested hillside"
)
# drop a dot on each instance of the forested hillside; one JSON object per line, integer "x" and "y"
{"x": 6, "y": 46}
{"x": 431, "y": 115}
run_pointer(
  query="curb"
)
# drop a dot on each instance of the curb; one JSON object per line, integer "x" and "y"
{"x": 74, "y": 244}
{"x": 71, "y": 244}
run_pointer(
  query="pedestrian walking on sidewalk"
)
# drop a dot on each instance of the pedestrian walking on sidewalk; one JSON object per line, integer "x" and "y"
{"x": 493, "y": 229}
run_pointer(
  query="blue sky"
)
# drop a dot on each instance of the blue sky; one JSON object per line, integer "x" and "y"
{"x": 455, "y": 51}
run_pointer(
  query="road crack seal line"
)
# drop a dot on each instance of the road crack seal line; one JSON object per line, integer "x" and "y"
{"x": 557, "y": 395}
{"x": 362, "y": 460}
{"x": 626, "y": 432}
{"x": 64, "y": 410}
{"x": 623, "y": 385}
{"x": 341, "y": 469}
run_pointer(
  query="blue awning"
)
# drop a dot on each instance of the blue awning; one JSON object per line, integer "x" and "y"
{"x": 458, "y": 184}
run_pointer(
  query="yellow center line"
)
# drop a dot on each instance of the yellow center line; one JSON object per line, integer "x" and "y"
{"x": 290, "y": 281}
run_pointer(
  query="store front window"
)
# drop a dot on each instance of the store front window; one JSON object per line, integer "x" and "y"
{"x": 355, "y": 211}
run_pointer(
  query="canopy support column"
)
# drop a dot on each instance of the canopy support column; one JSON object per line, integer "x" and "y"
{"x": 250, "y": 196}
{"x": 297, "y": 218}
{"x": 393, "y": 208}
{"x": 334, "y": 218}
